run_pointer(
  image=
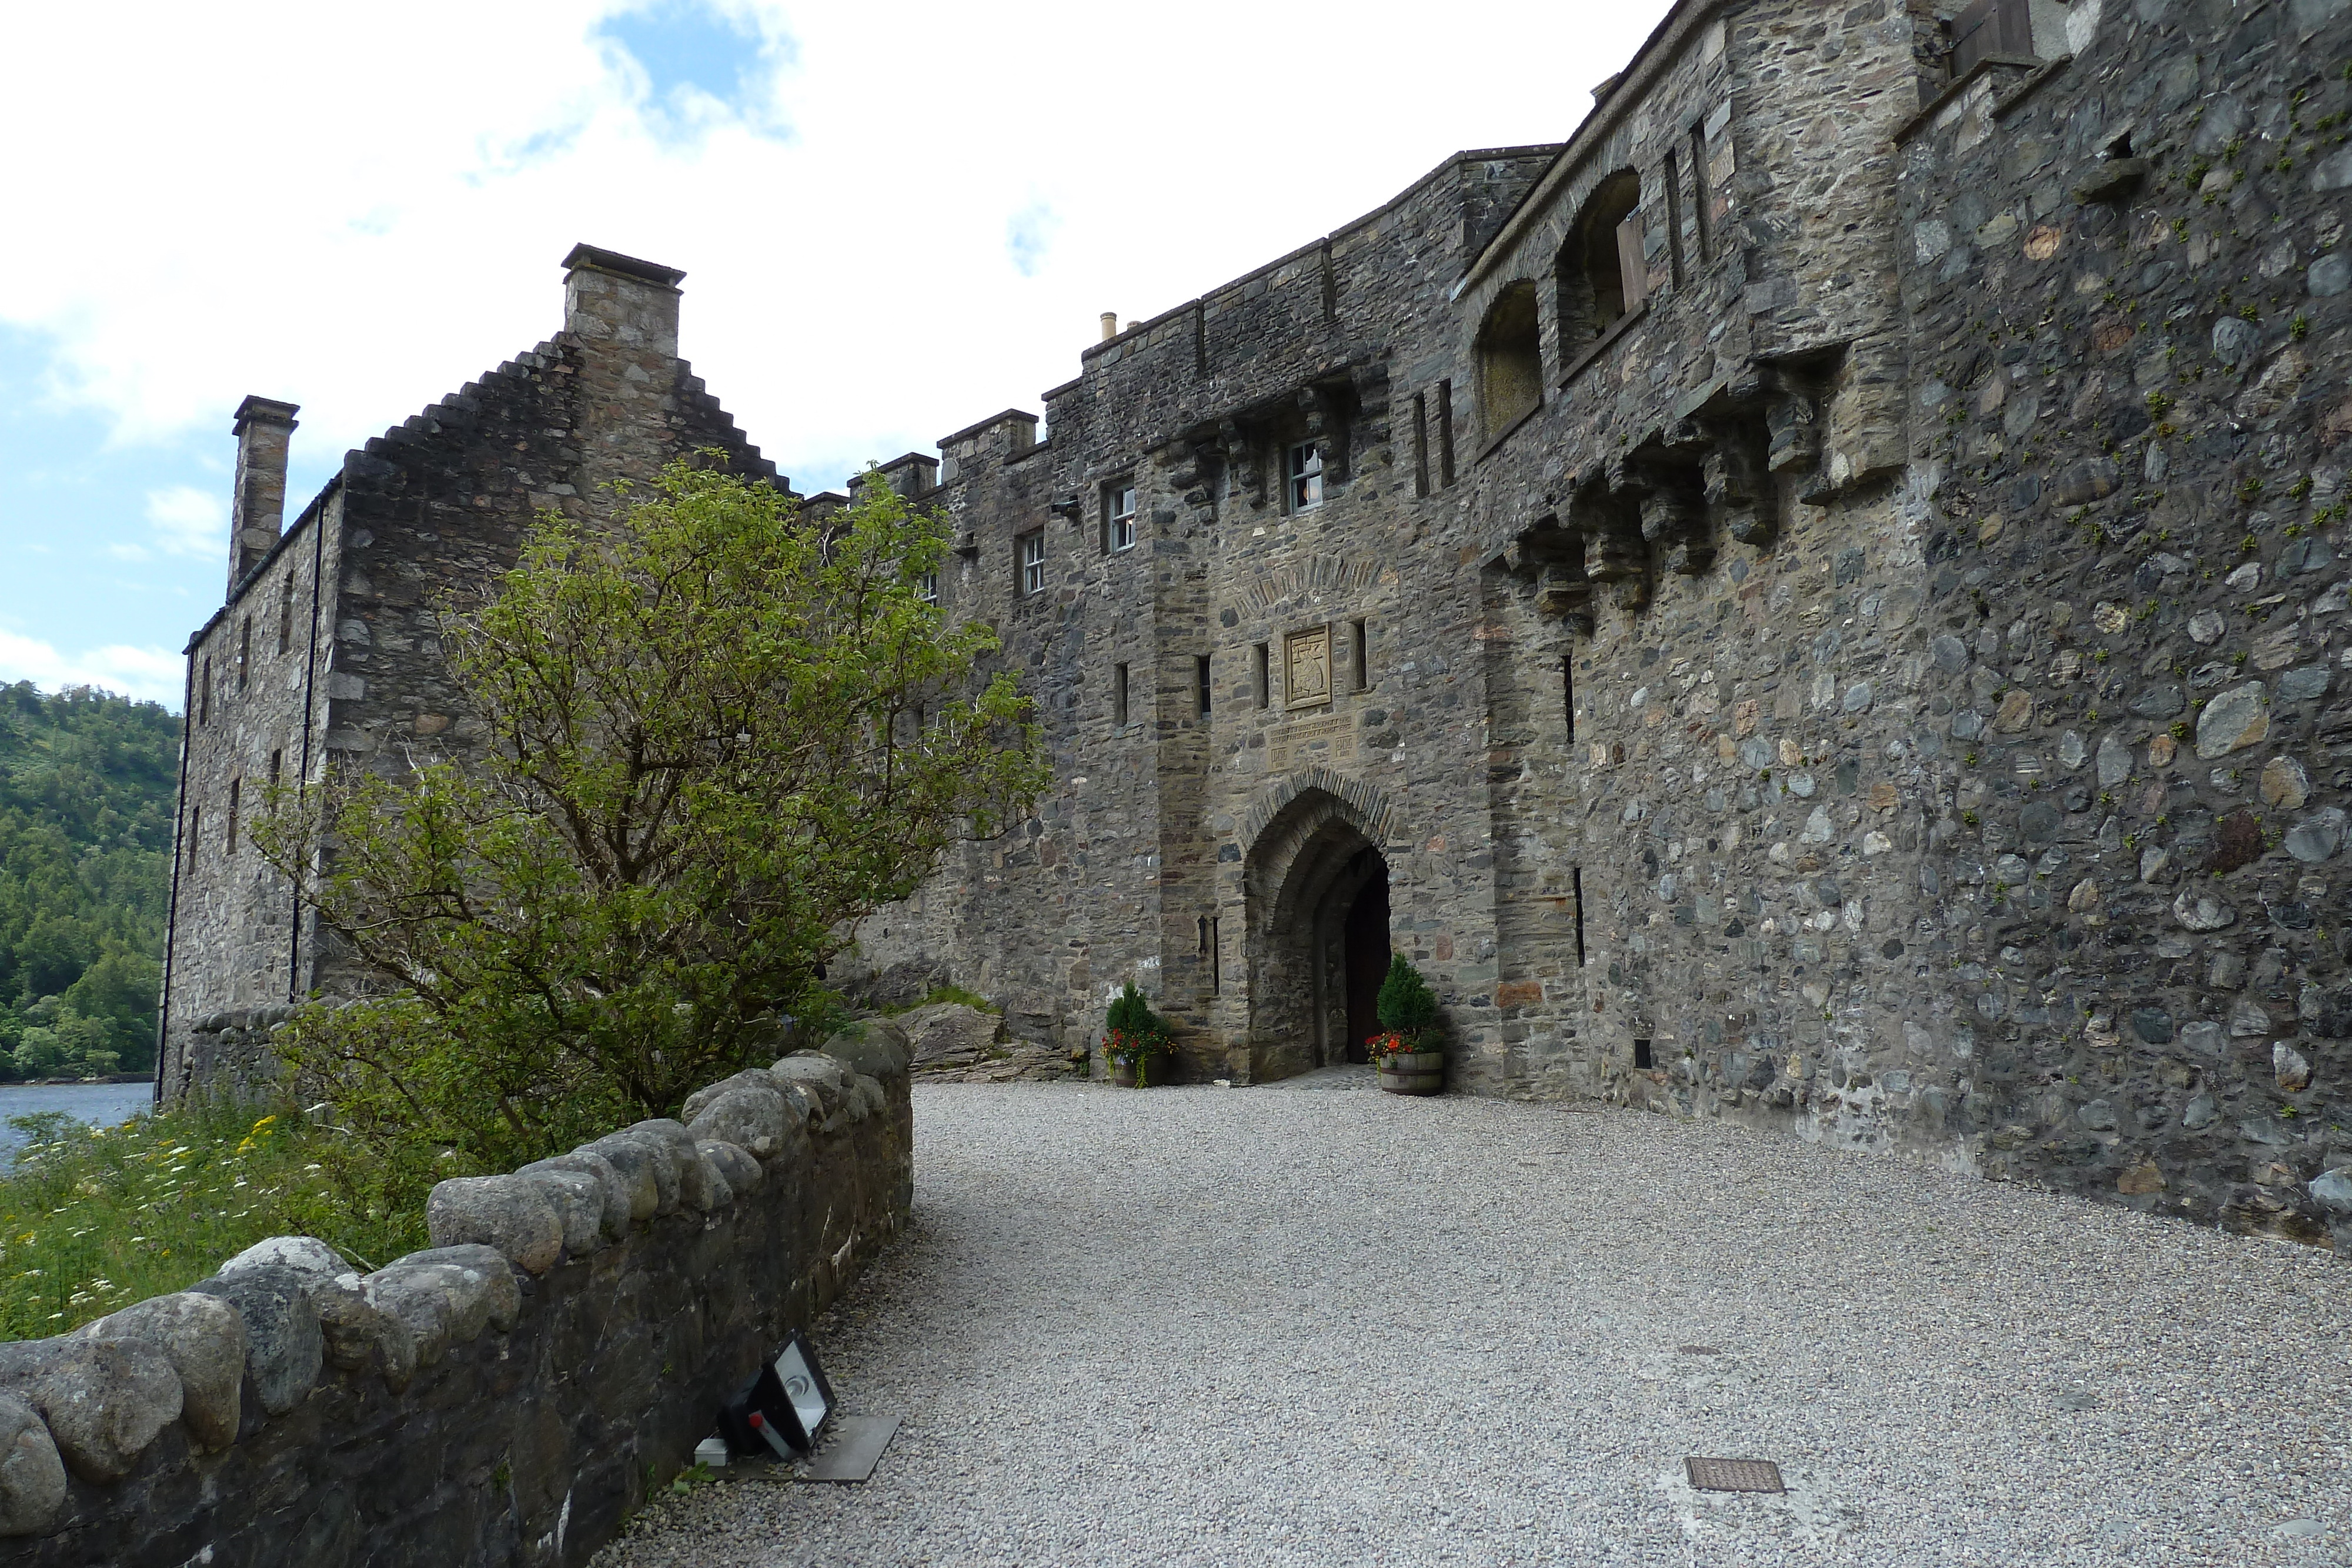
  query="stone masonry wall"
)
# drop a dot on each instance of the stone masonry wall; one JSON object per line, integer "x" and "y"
{"x": 2127, "y": 295}
{"x": 508, "y": 1397}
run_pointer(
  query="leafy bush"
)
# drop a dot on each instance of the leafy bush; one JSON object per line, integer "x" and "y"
{"x": 1406, "y": 1004}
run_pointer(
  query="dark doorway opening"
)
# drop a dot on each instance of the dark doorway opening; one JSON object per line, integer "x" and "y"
{"x": 1365, "y": 940}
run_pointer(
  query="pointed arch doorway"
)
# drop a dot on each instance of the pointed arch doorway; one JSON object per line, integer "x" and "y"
{"x": 1317, "y": 887}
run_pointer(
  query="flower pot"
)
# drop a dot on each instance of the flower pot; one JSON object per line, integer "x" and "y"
{"x": 1413, "y": 1072}
{"x": 1155, "y": 1070}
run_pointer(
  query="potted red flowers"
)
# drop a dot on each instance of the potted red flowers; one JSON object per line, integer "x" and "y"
{"x": 1132, "y": 1036}
{"x": 1409, "y": 1048}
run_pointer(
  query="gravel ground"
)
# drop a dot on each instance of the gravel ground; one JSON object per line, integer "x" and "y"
{"x": 1268, "y": 1326}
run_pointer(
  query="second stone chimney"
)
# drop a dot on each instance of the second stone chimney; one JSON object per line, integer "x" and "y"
{"x": 257, "y": 511}
{"x": 1109, "y": 326}
{"x": 617, "y": 301}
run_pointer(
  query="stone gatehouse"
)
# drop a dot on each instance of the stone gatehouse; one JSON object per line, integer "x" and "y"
{"x": 1814, "y": 602}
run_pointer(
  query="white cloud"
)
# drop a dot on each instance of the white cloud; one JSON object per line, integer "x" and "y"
{"x": 155, "y": 675}
{"x": 127, "y": 552}
{"x": 913, "y": 223}
{"x": 187, "y": 521}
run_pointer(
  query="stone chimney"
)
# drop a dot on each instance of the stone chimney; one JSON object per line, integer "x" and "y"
{"x": 256, "y": 512}
{"x": 611, "y": 300}
{"x": 1109, "y": 326}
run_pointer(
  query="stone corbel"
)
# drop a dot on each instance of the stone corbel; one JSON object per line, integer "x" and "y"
{"x": 1792, "y": 425}
{"x": 1663, "y": 478}
{"x": 1738, "y": 488}
{"x": 1241, "y": 461}
{"x": 1614, "y": 552}
{"x": 1192, "y": 461}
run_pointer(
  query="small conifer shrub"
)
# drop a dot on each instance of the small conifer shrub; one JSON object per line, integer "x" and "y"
{"x": 1408, "y": 1011}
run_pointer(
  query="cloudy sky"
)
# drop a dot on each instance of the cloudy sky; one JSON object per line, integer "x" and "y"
{"x": 895, "y": 219}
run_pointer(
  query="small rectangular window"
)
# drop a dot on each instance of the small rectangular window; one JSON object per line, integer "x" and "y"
{"x": 1444, "y": 434}
{"x": 1306, "y": 477}
{"x": 1118, "y": 518}
{"x": 1674, "y": 218}
{"x": 1421, "y": 444}
{"x": 244, "y": 653}
{"x": 1359, "y": 651}
{"x": 204, "y": 692}
{"x": 1031, "y": 550}
{"x": 927, "y": 587}
{"x": 1118, "y": 697}
{"x": 1576, "y": 891}
{"x": 277, "y": 766}
{"x": 1567, "y": 693}
{"x": 229, "y": 839}
{"x": 1216, "y": 957}
{"x": 1200, "y": 680}
{"x": 1257, "y": 675}
{"x": 195, "y": 834}
{"x": 1642, "y": 1054}
{"x": 286, "y": 615}
{"x": 1698, "y": 187}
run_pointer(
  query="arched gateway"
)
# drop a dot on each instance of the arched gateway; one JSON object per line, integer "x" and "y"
{"x": 1317, "y": 883}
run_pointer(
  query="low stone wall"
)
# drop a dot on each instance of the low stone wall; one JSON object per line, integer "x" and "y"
{"x": 507, "y": 1396}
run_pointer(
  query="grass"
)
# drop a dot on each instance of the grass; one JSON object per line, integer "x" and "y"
{"x": 94, "y": 1219}
{"x": 938, "y": 994}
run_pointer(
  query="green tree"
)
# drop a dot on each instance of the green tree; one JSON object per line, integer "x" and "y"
{"x": 86, "y": 822}
{"x": 721, "y": 733}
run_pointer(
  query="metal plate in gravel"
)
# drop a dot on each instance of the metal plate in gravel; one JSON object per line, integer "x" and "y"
{"x": 1734, "y": 1475}
{"x": 855, "y": 1447}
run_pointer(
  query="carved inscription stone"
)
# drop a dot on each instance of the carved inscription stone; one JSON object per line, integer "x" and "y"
{"x": 1307, "y": 664}
{"x": 1325, "y": 739}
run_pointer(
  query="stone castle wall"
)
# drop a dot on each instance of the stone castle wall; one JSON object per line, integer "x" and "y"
{"x": 1857, "y": 694}
{"x": 1876, "y": 684}
{"x": 2125, "y": 286}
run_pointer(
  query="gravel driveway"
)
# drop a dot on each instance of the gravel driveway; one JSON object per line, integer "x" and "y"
{"x": 1280, "y": 1326}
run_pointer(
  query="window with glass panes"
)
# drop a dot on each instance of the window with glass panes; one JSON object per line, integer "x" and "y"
{"x": 1306, "y": 477}
{"x": 1119, "y": 511}
{"x": 927, "y": 587}
{"x": 1032, "y": 552}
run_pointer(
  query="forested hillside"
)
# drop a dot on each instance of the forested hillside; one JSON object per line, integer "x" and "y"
{"x": 85, "y": 783}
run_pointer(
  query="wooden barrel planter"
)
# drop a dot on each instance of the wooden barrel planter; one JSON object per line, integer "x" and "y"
{"x": 1413, "y": 1072}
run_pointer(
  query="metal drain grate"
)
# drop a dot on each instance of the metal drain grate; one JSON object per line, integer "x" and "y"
{"x": 1734, "y": 1475}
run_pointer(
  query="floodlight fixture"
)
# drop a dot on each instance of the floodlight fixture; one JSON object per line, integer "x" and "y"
{"x": 783, "y": 1407}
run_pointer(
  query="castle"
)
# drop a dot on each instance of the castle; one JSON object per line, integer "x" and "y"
{"x": 1814, "y": 602}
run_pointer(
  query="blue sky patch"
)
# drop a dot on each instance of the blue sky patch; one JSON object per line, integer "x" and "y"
{"x": 685, "y": 47}
{"x": 1028, "y": 233}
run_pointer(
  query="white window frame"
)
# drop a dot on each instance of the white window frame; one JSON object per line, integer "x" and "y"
{"x": 1303, "y": 477}
{"x": 1118, "y": 528}
{"x": 927, "y": 587}
{"x": 1030, "y": 550}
